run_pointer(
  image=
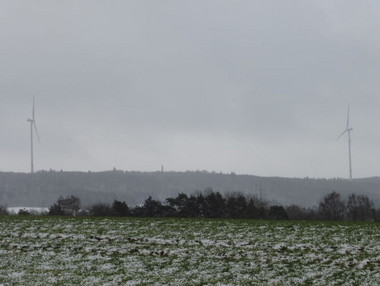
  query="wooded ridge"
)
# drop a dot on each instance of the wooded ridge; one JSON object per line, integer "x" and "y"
{"x": 42, "y": 188}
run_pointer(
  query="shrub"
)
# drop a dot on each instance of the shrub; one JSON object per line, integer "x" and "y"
{"x": 23, "y": 212}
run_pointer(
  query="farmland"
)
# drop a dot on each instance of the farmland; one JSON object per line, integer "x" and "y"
{"x": 141, "y": 251}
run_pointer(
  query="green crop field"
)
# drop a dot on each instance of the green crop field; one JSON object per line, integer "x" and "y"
{"x": 144, "y": 251}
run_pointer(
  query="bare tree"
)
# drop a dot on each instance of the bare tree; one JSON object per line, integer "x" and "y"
{"x": 360, "y": 208}
{"x": 332, "y": 207}
{"x": 65, "y": 206}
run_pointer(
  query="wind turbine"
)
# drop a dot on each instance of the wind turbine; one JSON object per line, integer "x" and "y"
{"x": 32, "y": 126}
{"x": 348, "y": 131}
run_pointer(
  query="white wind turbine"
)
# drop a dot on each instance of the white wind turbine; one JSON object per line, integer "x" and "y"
{"x": 32, "y": 126}
{"x": 348, "y": 131}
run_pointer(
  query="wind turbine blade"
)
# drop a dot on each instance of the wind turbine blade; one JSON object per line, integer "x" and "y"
{"x": 348, "y": 117}
{"x": 35, "y": 129}
{"x": 342, "y": 134}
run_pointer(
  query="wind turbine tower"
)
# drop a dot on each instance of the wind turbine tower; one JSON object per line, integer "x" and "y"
{"x": 32, "y": 126}
{"x": 348, "y": 131}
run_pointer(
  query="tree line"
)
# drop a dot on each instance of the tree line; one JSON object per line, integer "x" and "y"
{"x": 211, "y": 204}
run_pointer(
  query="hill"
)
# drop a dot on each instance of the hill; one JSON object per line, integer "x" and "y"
{"x": 43, "y": 188}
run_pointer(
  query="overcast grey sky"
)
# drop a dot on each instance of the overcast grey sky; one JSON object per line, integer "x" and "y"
{"x": 254, "y": 87}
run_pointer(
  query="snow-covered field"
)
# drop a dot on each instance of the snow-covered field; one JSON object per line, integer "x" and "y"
{"x": 131, "y": 251}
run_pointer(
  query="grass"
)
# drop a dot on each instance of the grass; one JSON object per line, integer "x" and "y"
{"x": 146, "y": 251}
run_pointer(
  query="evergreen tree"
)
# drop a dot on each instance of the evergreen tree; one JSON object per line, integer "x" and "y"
{"x": 277, "y": 212}
{"x": 120, "y": 208}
